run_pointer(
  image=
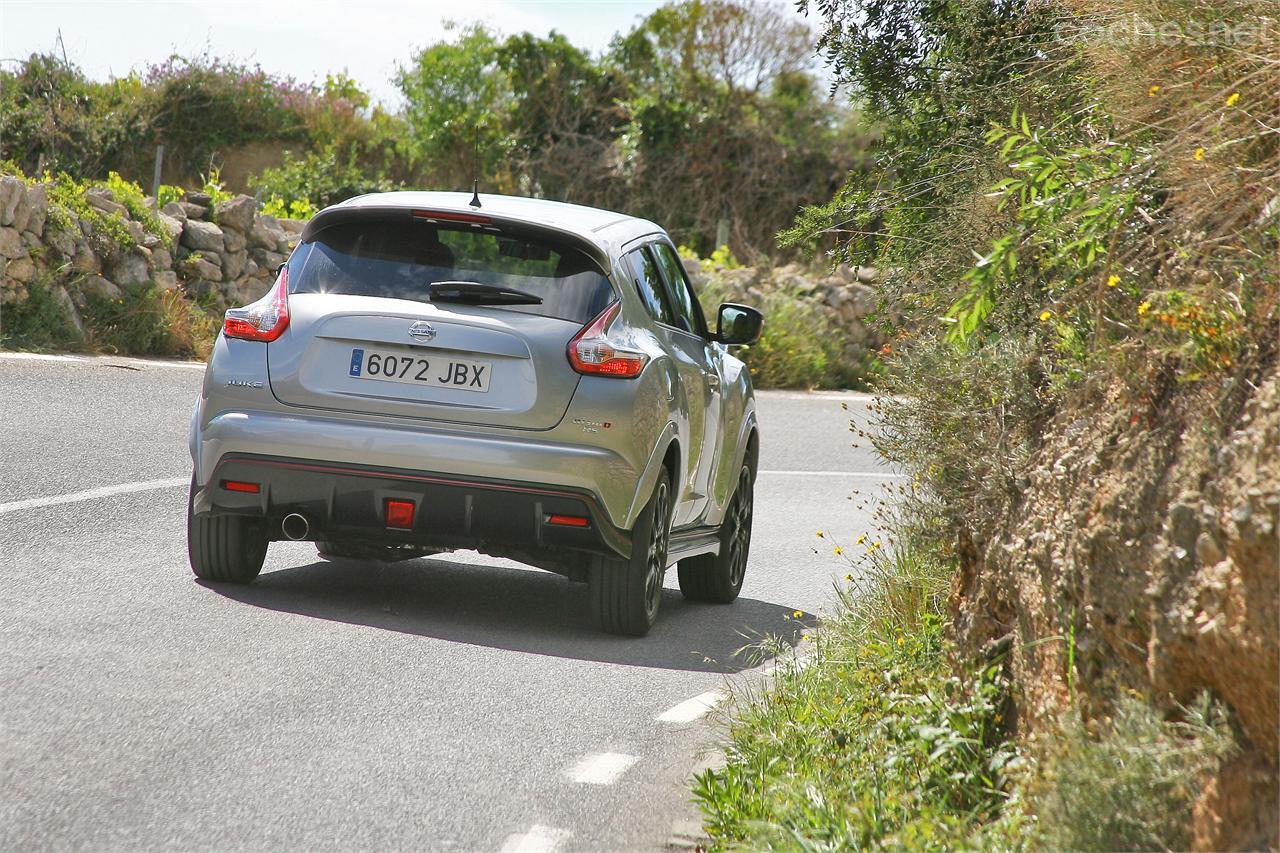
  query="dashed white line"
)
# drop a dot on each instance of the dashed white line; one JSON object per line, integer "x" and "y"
{"x": 690, "y": 709}
{"x": 93, "y": 494}
{"x": 603, "y": 768}
{"x": 886, "y": 475}
{"x": 539, "y": 839}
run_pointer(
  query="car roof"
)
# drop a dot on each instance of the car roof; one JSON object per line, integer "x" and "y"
{"x": 605, "y": 228}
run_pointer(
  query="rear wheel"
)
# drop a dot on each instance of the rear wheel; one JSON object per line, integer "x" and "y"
{"x": 224, "y": 548}
{"x": 717, "y": 578}
{"x": 626, "y": 594}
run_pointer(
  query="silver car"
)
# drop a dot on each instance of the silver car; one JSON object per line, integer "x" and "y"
{"x": 526, "y": 378}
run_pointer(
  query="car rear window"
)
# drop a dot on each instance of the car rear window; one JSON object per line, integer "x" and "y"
{"x": 400, "y": 260}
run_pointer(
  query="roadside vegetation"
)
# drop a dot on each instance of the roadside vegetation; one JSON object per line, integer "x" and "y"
{"x": 1078, "y": 205}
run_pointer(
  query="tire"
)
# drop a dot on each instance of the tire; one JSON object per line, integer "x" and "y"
{"x": 717, "y": 578}
{"x": 224, "y": 548}
{"x": 626, "y": 593}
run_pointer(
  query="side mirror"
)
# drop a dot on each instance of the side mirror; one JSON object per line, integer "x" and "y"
{"x": 738, "y": 324}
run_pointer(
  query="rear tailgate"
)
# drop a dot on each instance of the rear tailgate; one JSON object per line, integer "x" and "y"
{"x": 474, "y": 365}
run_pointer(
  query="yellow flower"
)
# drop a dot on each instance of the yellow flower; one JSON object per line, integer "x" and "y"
{"x": 1144, "y": 308}
{"x": 1045, "y": 315}
{"x": 839, "y": 550}
{"x": 1199, "y": 154}
{"x": 849, "y": 578}
{"x": 820, "y": 534}
{"x": 900, "y": 641}
{"x": 1113, "y": 281}
{"x": 797, "y": 614}
{"x": 861, "y": 539}
{"x": 1151, "y": 93}
{"x": 1233, "y": 99}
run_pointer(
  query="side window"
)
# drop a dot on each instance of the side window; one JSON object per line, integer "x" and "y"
{"x": 649, "y": 283}
{"x": 687, "y": 307}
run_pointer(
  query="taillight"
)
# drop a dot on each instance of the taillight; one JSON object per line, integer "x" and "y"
{"x": 592, "y": 353}
{"x": 264, "y": 320}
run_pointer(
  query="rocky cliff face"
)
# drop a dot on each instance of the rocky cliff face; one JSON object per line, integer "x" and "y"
{"x": 1145, "y": 546}
{"x": 224, "y": 253}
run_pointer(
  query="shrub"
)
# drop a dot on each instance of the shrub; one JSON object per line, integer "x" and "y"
{"x": 38, "y": 323}
{"x": 800, "y": 346}
{"x": 131, "y": 196}
{"x": 150, "y": 321}
{"x": 1128, "y": 782}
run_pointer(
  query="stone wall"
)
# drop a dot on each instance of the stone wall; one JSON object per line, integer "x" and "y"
{"x": 222, "y": 254}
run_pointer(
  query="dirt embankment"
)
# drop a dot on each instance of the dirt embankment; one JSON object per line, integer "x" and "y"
{"x": 1143, "y": 554}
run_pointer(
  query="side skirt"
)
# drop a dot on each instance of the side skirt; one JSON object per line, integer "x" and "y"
{"x": 692, "y": 542}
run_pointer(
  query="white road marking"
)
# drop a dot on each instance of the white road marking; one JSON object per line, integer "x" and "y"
{"x": 603, "y": 768}
{"x": 94, "y": 494}
{"x": 104, "y": 360}
{"x": 539, "y": 839}
{"x": 881, "y": 474}
{"x": 690, "y": 709}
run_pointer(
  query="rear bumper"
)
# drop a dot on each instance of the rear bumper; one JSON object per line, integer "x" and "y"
{"x": 462, "y": 454}
{"x": 347, "y": 502}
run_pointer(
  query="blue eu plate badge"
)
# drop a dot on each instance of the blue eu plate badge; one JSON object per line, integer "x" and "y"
{"x": 357, "y": 359}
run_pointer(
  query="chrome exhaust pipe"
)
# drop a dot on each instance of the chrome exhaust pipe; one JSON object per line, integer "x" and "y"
{"x": 295, "y": 526}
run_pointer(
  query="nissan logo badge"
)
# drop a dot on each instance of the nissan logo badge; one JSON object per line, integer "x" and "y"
{"x": 422, "y": 330}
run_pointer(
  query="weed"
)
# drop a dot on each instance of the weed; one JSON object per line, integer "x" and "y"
{"x": 1128, "y": 782}
{"x": 38, "y": 323}
{"x": 150, "y": 321}
{"x": 876, "y": 743}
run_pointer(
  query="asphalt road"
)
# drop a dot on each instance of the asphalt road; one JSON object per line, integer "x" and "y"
{"x": 458, "y": 702}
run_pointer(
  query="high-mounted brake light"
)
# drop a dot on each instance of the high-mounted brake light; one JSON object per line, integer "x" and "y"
{"x": 592, "y": 353}
{"x": 449, "y": 216}
{"x": 264, "y": 320}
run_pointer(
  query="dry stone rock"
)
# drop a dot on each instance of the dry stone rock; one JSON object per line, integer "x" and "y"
{"x": 172, "y": 224}
{"x": 193, "y": 211}
{"x": 175, "y": 210}
{"x": 233, "y": 240}
{"x": 233, "y": 264}
{"x": 236, "y": 213}
{"x": 84, "y": 260}
{"x": 166, "y": 279}
{"x": 12, "y": 190}
{"x": 102, "y": 200}
{"x": 266, "y": 259}
{"x": 100, "y": 288}
{"x": 11, "y": 243}
{"x": 63, "y": 300}
{"x": 205, "y": 270}
{"x": 203, "y": 236}
{"x": 21, "y": 269}
{"x": 61, "y": 242}
{"x": 201, "y": 198}
{"x": 136, "y": 231}
{"x": 129, "y": 270}
{"x": 293, "y": 226}
{"x": 161, "y": 259}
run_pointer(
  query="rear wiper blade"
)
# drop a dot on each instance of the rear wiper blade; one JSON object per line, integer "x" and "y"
{"x": 475, "y": 293}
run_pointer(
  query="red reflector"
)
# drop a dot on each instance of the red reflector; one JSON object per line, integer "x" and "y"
{"x": 447, "y": 216}
{"x": 569, "y": 520}
{"x": 400, "y": 514}
{"x": 238, "y": 486}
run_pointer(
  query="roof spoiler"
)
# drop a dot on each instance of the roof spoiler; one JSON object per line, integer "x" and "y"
{"x": 342, "y": 215}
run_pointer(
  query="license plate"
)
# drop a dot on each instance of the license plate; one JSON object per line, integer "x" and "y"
{"x": 434, "y": 371}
